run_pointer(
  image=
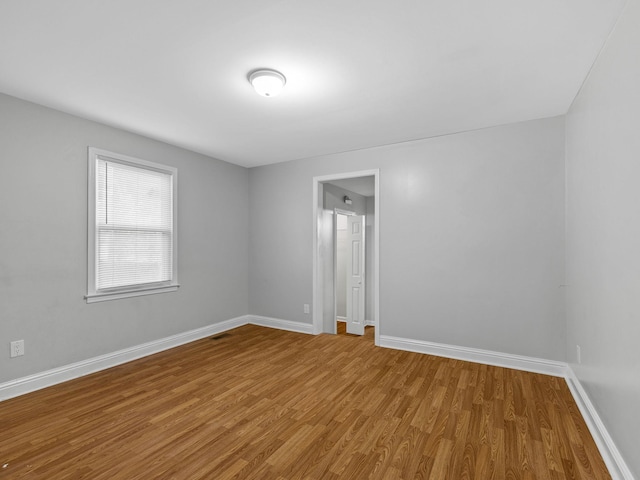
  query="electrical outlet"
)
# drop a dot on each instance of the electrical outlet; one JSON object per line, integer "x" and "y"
{"x": 306, "y": 308}
{"x": 17, "y": 348}
{"x": 578, "y": 354}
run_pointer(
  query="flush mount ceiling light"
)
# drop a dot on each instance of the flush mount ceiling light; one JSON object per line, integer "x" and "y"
{"x": 266, "y": 82}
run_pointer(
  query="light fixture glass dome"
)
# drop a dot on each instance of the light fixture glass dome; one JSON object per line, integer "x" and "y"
{"x": 267, "y": 83}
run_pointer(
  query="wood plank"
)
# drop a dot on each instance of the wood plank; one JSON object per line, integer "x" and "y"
{"x": 263, "y": 403}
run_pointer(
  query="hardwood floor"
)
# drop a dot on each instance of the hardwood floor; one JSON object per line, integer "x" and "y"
{"x": 341, "y": 328}
{"x": 260, "y": 403}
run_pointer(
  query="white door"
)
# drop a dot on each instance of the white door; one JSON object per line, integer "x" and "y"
{"x": 355, "y": 275}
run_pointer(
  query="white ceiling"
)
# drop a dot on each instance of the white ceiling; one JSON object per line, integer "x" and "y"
{"x": 360, "y": 73}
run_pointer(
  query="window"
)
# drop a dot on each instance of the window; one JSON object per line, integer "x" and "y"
{"x": 132, "y": 219}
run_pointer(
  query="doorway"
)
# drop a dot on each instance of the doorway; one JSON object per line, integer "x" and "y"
{"x": 328, "y": 202}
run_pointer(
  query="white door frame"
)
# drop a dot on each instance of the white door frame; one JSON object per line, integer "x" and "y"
{"x": 318, "y": 287}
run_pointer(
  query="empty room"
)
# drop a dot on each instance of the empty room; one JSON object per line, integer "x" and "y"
{"x": 319, "y": 240}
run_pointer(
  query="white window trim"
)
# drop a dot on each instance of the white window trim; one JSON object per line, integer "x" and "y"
{"x": 116, "y": 293}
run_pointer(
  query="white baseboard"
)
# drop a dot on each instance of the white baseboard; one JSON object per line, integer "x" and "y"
{"x": 20, "y": 386}
{"x": 519, "y": 362}
{"x": 366, "y": 322}
{"x": 610, "y": 453}
{"x": 280, "y": 324}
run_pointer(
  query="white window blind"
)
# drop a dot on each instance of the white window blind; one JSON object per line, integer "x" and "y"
{"x": 133, "y": 225}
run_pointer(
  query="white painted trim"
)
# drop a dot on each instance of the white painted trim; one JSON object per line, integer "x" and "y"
{"x": 376, "y": 259}
{"x": 280, "y": 324}
{"x": 341, "y": 176}
{"x": 610, "y": 453}
{"x": 103, "y": 297}
{"x": 20, "y": 386}
{"x": 507, "y": 360}
{"x": 367, "y": 323}
{"x": 316, "y": 317}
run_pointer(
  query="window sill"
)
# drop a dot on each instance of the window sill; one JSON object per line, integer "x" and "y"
{"x": 103, "y": 297}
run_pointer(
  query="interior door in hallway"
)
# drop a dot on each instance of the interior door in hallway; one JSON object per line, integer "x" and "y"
{"x": 355, "y": 275}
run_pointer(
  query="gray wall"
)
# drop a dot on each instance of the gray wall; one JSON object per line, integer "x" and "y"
{"x": 471, "y": 237}
{"x": 334, "y": 195}
{"x": 603, "y": 235}
{"x": 43, "y": 243}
